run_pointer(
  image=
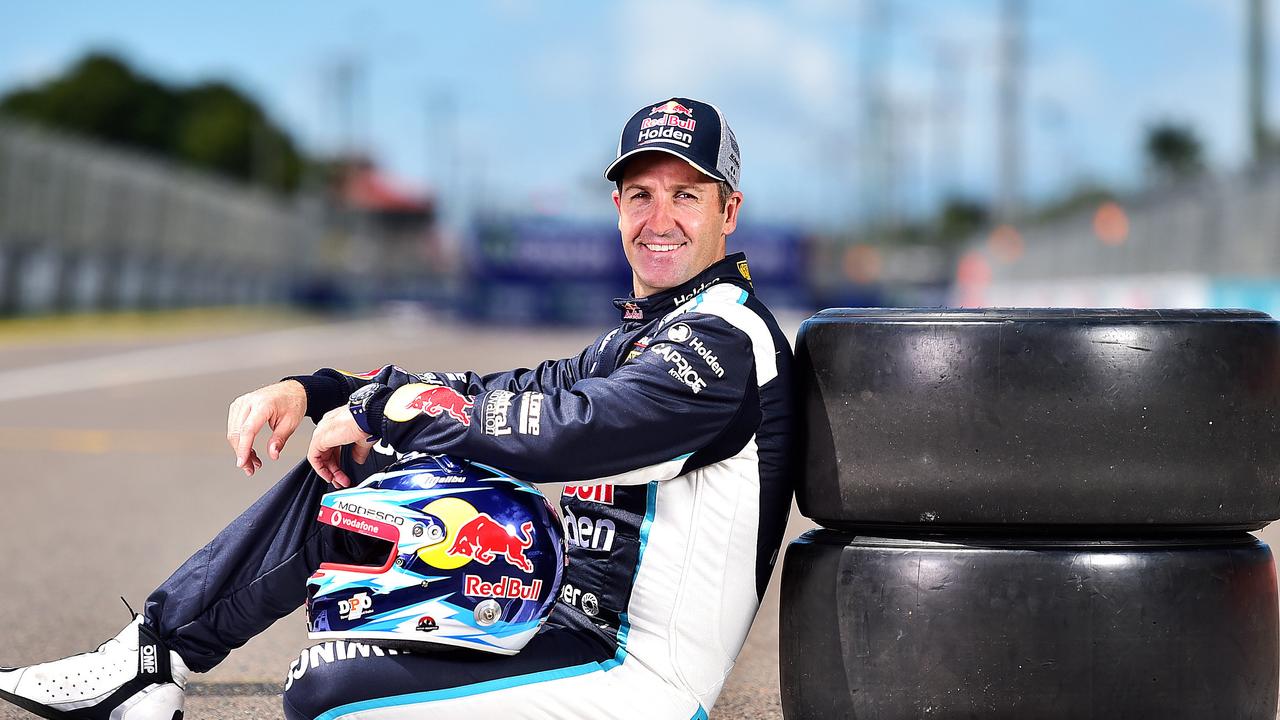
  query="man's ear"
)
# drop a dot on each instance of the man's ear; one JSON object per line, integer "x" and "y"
{"x": 732, "y": 205}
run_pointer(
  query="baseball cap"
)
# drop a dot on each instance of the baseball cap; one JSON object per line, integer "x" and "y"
{"x": 689, "y": 129}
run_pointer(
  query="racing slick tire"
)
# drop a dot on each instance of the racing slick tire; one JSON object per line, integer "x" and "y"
{"x": 888, "y": 628}
{"x": 1040, "y": 417}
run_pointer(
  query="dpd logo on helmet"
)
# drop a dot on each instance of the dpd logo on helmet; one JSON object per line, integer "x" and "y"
{"x": 354, "y": 608}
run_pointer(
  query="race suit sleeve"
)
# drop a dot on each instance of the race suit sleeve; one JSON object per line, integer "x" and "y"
{"x": 328, "y": 388}
{"x": 689, "y": 399}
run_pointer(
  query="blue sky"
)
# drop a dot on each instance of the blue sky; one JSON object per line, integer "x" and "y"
{"x": 540, "y": 90}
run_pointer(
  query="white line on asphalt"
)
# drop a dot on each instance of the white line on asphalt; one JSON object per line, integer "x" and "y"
{"x": 165, "y": 363}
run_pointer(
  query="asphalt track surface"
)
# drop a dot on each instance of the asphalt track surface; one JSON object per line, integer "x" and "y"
{"x": 117, "y": 468}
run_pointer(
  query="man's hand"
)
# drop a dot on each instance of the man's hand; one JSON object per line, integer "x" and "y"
{"x": 337, "y": 428}
{"x": 280, "y": 406}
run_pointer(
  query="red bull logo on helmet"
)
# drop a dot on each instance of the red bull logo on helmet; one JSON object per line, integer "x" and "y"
{"x": 441, "y": 400}
{"x": 482, "y": 539}
{"x": 505, "y": 587}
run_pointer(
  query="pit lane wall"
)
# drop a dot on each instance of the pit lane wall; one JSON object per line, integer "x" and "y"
{"x": 1215, "y": 243}
{"x": 87, "y": 227}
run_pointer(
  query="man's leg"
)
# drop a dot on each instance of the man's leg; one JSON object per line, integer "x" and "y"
{"x": 568, "y": 670}
{"x": 254, "y": 572}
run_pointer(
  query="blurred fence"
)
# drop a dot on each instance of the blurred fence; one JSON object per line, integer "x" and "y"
{"x": 552, "y": 270}
{"x": 87, "y": 227}
{"x": 1212, "y": 244}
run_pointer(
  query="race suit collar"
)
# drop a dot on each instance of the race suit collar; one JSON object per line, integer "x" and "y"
{"x": 732, "y": 269}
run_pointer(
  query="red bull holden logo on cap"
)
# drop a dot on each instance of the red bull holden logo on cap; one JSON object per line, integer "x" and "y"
{"x": 669, "y": 126}
{"x": 671, "y": 107}
{"x": 672, "y": 120}
{"x": 482, "y": 539}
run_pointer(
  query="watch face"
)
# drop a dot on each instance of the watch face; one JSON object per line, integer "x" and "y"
{"x": 362, "y": 395}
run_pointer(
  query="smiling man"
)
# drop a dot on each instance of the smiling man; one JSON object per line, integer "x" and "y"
{"x": 670, "y": 434}
{"x": 677, "y": 195}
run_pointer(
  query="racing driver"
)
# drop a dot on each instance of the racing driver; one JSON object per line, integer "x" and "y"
{"x": 670, "y": 434}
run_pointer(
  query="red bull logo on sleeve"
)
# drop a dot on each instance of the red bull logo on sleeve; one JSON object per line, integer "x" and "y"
{"x": 441, "y": 400}
{"x": 482, "y": 539}
{"x": 366, "y": 375}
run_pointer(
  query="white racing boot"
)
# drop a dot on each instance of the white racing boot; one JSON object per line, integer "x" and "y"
{"x": 129, "y": 677}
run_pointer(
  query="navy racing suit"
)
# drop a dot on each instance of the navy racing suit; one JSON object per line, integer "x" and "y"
{"x": 671, "y": 436}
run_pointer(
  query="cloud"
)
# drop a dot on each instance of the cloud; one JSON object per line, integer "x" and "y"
{"x": 514, "y": 10}
{"x": 562, "y": 72}
{"x": 698, "y": 46}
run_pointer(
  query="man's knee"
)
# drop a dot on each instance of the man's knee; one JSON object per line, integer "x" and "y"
{"x": 333, "y": 674}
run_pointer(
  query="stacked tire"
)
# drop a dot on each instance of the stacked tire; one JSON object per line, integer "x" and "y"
{"x": 1035, "y": 514}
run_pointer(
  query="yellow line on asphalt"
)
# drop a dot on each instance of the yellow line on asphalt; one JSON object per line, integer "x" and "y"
{"x": 125, "y": 325}
{"x": 94, "y": 441}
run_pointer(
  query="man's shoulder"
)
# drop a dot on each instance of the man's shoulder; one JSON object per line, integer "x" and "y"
{"x": 738, "y": 311}
{"x": 727, "y": 303}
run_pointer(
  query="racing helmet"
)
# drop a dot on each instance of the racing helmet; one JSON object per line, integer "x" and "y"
{"x": 461, "y": 555}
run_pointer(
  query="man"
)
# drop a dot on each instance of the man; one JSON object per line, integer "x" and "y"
{"x": 673, "y": 428}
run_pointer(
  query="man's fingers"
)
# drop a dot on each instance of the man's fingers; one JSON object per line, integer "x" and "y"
{"x": 317, "y": 455}
{"x": 340, "y": 478}
{"x": 327, "y": 466}
{"x": 235, "y": 417}
{"x": 248, "y": 431}
{"x": 321, "y": 468}
{"x": 360, "y": 452}
{"x": 252, "y": 463}
{"x": 283, "y": 430}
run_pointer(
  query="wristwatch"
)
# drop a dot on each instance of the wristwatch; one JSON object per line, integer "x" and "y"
{"x": 358, "y": 404}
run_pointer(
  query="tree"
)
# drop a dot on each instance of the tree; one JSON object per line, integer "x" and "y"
{"x": 211, "y": 125}
{"x": 961, "y": 218}
{"x": 1174, "y": 152}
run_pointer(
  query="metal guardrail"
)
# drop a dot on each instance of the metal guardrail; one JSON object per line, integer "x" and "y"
{"x": 88, "y": 227}
{"x": 1226, "y": 226}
